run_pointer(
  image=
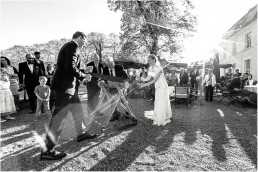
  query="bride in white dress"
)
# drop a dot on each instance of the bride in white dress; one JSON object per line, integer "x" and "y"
{"x": 162, "y": 109}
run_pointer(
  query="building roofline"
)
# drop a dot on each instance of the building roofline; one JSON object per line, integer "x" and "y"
{"x": 233, "y": 29}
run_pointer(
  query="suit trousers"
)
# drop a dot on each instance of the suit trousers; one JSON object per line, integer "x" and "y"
{"x": 93, "y": 97}
{"x": 64, "y": 103}
{"x": 209, "y": 93}
{"x": 32, "y": 98}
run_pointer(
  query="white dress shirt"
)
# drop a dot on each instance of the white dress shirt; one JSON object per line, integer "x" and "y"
{"x": 30, "y": 67}
{"x": 113, "y": 71}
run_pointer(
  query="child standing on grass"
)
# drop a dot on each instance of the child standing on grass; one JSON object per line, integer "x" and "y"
{"x": 7, "y": 105}
{"x": 42, "y": 92}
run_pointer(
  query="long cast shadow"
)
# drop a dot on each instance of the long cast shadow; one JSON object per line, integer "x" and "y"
{"x": 142, "y": 137}
{"x": 136, "y": 142}
{"x": 244, "y": 128}
{"x": 72, "y": 148}
{"x": 213, "y": 124}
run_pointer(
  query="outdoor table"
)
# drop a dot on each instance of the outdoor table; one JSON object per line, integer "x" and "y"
{"x": 251, "y": 88}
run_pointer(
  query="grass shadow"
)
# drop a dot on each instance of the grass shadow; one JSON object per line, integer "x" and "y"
{"x": 244, "y": 129}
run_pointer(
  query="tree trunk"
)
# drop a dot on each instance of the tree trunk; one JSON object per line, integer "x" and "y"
{"x": 154, "y": 46}
{"x": 99, "y": 53}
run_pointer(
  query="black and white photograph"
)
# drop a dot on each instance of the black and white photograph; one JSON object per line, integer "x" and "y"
{"x": 128, "y": 85}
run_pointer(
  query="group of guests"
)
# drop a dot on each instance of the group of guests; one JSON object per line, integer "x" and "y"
{"x": 236, "y": 82}
{"x": 28, "y": 76}
{"x": 206, "y": 82}
{"x": 196, "y": 79}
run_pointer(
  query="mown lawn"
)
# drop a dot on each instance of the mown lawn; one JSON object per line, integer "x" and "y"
{"x": 211, "y": 137}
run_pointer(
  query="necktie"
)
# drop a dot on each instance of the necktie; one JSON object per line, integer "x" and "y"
{"x": 111, "y": 72}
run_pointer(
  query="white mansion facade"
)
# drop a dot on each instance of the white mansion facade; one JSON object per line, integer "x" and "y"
{"x": 239, "y": 45}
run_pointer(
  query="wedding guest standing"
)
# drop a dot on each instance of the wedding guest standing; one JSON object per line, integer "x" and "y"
{"x": 237, "y": 72}
{"x": 50, "y": 70}
{"x": 183, "y": 77}
{"x": 7, "y": 105}
{"x": 209, "y": 81}
{"x": 173, "y": 79}
{"x": 228, "y": 74}
{"x": 29, "y": 73}
{"x": 40, "y": 62}
{"x": 12, "y": 73}
{"x": 42, "y": 92}
{"x": 93, "y": 89}
{"x": 114, "y": 70}
{"x": 193, "y": 74}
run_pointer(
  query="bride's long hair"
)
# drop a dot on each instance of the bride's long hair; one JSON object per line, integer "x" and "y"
{"x": 152, "y": 56}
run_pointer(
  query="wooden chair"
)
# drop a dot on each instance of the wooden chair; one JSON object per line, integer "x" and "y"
{"x": 182, "y": 92}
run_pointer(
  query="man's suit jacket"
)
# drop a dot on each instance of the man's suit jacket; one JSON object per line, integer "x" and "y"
{"x": 67, "y": 74}
{"x": 119, "y": 71}
{"x": 31, "y": 80}
{"x": 184, "y": 79}
{"x": 193, "y": 75}
{"x": 42, "y": 66}
{"x": 93, "y": 84}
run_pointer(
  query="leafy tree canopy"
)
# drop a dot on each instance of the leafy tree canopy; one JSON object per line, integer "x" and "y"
{"x": 156, "y": 27}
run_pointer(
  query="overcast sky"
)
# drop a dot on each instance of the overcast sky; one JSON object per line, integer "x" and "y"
{"x": 30, "y": 22}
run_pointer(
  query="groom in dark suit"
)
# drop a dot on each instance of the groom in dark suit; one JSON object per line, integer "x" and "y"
{"x": 66, "y": 83}
{"x": 29, "y": 73}
{"x": 93, "y": 89}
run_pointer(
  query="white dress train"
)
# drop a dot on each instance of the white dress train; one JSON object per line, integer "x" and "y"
{"x": 162, "y": 109}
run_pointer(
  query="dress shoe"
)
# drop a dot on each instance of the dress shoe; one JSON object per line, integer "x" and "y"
{"x": 52, "y": 155}
{"x": 32, "y": 111}
{"x": 86, "y": 136}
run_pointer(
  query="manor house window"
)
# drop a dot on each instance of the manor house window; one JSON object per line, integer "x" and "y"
{"x": 234, "y": 48}
{"x": 248, "y": 40}
{"x": 248, "y": 66}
